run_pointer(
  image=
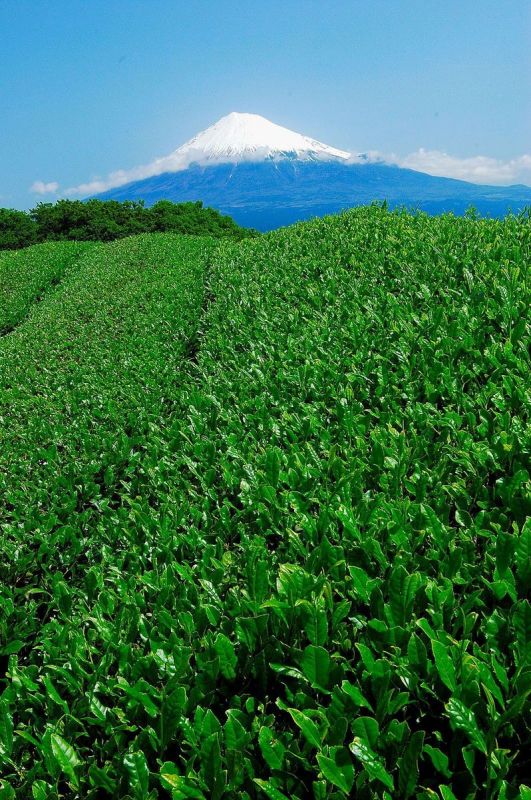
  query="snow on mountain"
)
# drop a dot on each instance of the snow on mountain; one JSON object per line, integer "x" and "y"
{"x": 250, "y": 137}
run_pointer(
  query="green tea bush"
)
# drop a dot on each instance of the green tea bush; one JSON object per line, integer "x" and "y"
{"x": 265, "y": 530}
{"x": 91, "y": 368}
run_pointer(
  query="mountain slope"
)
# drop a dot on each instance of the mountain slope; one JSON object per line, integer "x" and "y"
{"x": 270, "y": 193}
{"x": 266, "y": 176}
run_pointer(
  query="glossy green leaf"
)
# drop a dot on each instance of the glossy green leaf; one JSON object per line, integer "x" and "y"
{"x": 371, "y": 762}
{"x": 227, "y": 657}
{"x": 438, "y": 759}
{"x": 445, "y": 665}
{"x": 315, "y": 665}
{"x": 138, "y": 774}
{"x": 462, "y": 718}
{"x": 307, "y": 726}
{"x": 315, "y": 624}
{"x": 6, "y": 791}
{"x": 66, "y": 757}
{"x": 417, "y": 654}
{"x": 41, "y": 790}
{"x": 272, "y": 748}
{"x": 355, "y": 695}
{"x": 522, "y": 625}
{"x": 446, "y": 793}
{"x": 337, "y": 768}
{"x": 6, "y": 729}
{"x": 366, "y": 729}
{"x": 183, "y": 790}
{"x": 238, "y": 478}
{"x": 523, "y": 557}
{"x": 270, "y": 790}
{"x": 408, "y": 774}
{"x": 101, "y": 779}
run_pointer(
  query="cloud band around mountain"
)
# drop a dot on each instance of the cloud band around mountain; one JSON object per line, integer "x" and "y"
{"x": 476, "y": 169}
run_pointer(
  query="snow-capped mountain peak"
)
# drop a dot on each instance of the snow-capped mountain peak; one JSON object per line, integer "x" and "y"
{"x": 265, "y": 176}
{"x": 249, "y": 137}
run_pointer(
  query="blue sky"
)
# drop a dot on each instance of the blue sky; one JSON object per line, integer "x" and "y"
{"x": 91, "y": 86}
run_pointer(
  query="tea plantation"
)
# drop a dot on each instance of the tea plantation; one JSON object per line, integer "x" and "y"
{"x": 263, "y": 514}
{"x": 26, "y": 276}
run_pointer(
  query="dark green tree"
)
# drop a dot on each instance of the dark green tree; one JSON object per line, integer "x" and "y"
{"x": 17, "y": 229}
{"x": 106, "y": 220}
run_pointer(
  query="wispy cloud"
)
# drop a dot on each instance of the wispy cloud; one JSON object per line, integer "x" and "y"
{"x": 477, "y": 169}
{"x": 120, "y": 177}
{"x": 40, "y": 187}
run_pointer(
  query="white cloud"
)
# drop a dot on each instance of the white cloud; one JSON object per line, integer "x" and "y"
{"x": 39, "y": 187}
{"x": 175, "y": 162}
{"x": 120, "y": 177}
{"x": 477, "y": 169}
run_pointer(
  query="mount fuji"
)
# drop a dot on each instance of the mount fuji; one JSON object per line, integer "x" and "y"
{"x": 265, "y": 176}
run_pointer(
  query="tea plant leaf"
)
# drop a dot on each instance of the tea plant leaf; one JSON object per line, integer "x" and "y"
{"x": 169, "y": 775}
{"x": 54, "y": 694}
{"x": 6, "y": 791}
{"x": 409, "y": 773}
{"x": 337, "y": 770}
{"x": 315, "y": 665}
{"x": 463, "y": 719}
{"x": 315, "y": 624}
{"x": 227, "y": 657}
{"x": 6, "y": 729}
{"x": 366, "y": 729}
{"x": 522, "y": 625}
{"x": 446, "y": 793}
{"x": 417, "y": 654}
{"x": 239, "y": 478}
{"x": 523, "y": 558}
{"x": 438, "y": 759}
{"x": 307, "y": 726}
{"x": 271, "y": 791}
{"x": 138, "y": 773}
{"x": 101, "y": 779}
{"x": 40, "y": 790}
{"x": 66, "y": 757}
{"x": 272, "y": 749}
{"x": 444, "y": 664}
{"x": 212, "y": 773}
{"x": 171, "y": 779}
{"x": 355, "y": 695}
{"x": 272, "y": 466}
{"x": 371, "y": 762}
{"x": 182, "y": 790}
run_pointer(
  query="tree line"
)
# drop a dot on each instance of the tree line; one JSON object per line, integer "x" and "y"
{"x": 105, "y": 220}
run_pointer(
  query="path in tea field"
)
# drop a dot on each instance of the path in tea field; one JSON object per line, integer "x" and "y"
{"x": 265, "y": 530}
